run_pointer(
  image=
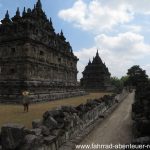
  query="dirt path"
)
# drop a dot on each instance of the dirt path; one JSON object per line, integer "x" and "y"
{"x": 116, "y": 128}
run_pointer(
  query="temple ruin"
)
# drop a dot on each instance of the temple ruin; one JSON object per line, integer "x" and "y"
{"x": 96, "y": 76}
{"x": 34, "y": 57}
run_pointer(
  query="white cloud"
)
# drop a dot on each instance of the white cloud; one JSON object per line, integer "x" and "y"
{"x": 118, "y": 52}
{"x": 133, "y": 28}
{"x": 124, "y": 43}
{"x": 140, "y": 6}
{"x": 104, "y": 15}
{"x": 95, "y": 16}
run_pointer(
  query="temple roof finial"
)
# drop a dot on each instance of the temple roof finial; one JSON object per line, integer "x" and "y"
{"x": 17, "y": 16}
{"x": 7, "y": 15}
{"x": 89, "y": 62}
{"x": 50, "y": 20}
{"x": 18, "y": 12}
{"x": 24, "y": 11}
{"x": 6, "y": 20}
{"x": 28, "y": 10}
{"x": 61, "y": 33}
{"x": 97, "y": 54}
{"x": 51, "y": 24}
{"x": 38, "y": 4}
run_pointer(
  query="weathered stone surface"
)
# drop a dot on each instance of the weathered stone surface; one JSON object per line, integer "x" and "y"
{"x": 31, "y": 142}
{"x": 54, "y": 119}
{"x": 58, "y": 132}
{"x": 53, "y": 113}
{"x": 49, "y": 139}
{"x": 36, "y": 123}
{"x": 142, "y": 140}
{"x": 45, "y": 130}
{"x": 69, "y": 109}
{"x": 12, "y": 136}
{"x": 35, "y": 131}
{"x": 81, "y": 108}
{"x": 50, "y": 123}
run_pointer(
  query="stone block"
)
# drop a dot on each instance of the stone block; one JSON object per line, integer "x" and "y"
{"x": 53, "y": 113}
{"x": 36, "y": 131}
{"x": 32, "y": 142}
{"x": 49, "y": 139}
{"x": 36, "y": 123}
{"x": 50, "y": 123}
{"x": 69, "y": 109}
{"x": 45, "y": 130}
{"x": 12, "y": 136}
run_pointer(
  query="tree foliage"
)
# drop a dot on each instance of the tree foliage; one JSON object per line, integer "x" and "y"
{"x": 136, "y": 76}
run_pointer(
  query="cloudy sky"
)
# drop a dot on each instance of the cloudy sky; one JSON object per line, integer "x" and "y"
{"x": 119, "y": 29}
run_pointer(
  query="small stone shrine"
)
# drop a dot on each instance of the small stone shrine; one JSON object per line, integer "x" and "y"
{"x": 96, "y": 76}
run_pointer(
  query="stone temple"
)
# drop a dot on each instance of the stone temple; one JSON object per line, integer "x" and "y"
{"x": 34, "y": 58}
{"x": 96, "y": 76}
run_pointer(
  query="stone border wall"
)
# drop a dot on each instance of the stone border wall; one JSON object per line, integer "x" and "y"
{"x": 42, "y": 97}
{"x": 58, "y": 127}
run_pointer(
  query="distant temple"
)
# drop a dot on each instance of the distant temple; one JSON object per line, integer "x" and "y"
{"x": 96, "y": 75}
{"x": 34, "y": 58}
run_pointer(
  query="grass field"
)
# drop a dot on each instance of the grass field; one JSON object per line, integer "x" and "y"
{"x": 14, "y": 113}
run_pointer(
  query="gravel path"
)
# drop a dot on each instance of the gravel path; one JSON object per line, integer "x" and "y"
{"x": 116, "y": 129}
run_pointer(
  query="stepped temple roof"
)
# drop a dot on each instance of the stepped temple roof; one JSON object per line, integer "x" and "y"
{"x": 96, "y": 75}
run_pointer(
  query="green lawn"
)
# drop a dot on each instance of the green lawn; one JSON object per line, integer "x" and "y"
{"x": 14, "y": 113}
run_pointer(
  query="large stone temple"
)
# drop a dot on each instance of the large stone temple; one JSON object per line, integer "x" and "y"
{"x": 34, "y": 58}
{"x": 96, "y": 76}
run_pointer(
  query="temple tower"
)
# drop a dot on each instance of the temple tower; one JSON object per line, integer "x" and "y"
{"x": 96, "y": 76}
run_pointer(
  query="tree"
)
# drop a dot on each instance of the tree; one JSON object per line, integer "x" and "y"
{"x": 117, "y": 83}
{"x": 124, "y": 80}
{"x": 136, "y": 76}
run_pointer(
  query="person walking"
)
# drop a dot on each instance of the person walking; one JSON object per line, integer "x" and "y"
{"x": 26, "y": 100}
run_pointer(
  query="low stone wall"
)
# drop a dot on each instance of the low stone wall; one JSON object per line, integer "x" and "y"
{"x": 42, "y": 97}
{"x": 56, "y": 95}
{"x": 58, "y": 126}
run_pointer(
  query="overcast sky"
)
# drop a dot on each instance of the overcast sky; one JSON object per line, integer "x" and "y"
{"x": 120, "y": 29}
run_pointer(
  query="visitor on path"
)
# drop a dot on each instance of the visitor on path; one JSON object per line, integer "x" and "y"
{"x": 26, "y": 100}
